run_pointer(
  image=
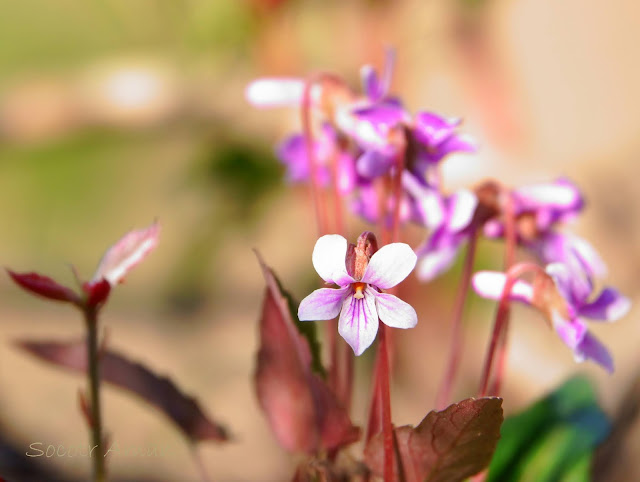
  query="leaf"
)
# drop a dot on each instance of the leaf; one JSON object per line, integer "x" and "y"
{"x": 303, "y": 412}
{"x": 44, "y": 286}
{"x": 552, "y": 436}
{"x": 126, "y": 253}
{"x": 135, "y": 378}
{"x": 449, "y": 445}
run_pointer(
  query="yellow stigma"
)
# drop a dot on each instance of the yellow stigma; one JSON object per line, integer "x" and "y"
{"x": 359, "y": 288}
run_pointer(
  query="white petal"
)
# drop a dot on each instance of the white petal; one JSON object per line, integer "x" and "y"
{"x": 279, "y": 92}
{"x": 126, "y": 253}
{"x": 390, "y": 265}
{"x": 463, "y": 206}
{"x": 329, "y": 259}
{"x": 394, "y": 312}
{"x": 322, "y": 304}
{"x": 489, "y": 284}
{"x": 358, "y": 323}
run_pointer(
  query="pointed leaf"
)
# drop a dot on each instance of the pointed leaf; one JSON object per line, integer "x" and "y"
{"x": 120, "y": 258}
{"x": 449, "y": 445}
{"x": 44, "y": 286}
{"x": 552, "y": 436}
{"x": 135, "y": 378}
{"x": 303, "y": 412}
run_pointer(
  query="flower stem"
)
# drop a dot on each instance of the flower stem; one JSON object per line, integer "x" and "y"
{"x": 509, "y": 260}
{"x": 93, "y": 358}
{"x": 444, "y": 394}
{"x": 385, "y": 396}
{"x": 502, "y": 316}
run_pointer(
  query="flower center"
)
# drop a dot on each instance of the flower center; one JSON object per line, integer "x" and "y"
{"x": 359, "y": 290}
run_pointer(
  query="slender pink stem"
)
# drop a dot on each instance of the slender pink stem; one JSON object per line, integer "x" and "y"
{"x": 502, "y": 315}
{"x": 305, "y": 111}
{"x": 509, "y": 261}
{"x": 457, "y": 335}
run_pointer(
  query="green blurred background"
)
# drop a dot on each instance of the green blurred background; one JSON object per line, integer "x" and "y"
{"x": 114, "y": 113}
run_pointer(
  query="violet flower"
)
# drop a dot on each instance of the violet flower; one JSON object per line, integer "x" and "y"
{"x": 359, "y": 300}
{"x": 441, "y": 249}
{"x": 565, "y": 303}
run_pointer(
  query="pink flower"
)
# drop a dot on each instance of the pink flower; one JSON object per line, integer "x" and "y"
{"x": 359, "y": 300}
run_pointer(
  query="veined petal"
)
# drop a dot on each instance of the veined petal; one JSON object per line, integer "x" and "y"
{"x": 329, "y": 257}
{"x": 610, "y": 305}
{"x": 490, "y": 284}
{"x": 390, "y": 265}
{"x": 394, "y": 312}
{"x": 590, "y": 348}
{"x": 322, "y": 304}
{"x": 373, "y": 164}
{"x": 358, "y": 323}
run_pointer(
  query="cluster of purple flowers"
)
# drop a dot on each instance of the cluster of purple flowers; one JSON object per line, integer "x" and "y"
{"x": 360, "y": 138}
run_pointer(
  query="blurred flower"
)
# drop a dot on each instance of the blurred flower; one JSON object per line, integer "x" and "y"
{"x": 563, "y": 297}
{"x": 359, "y": 300}
{"x": 117, "y": 261}
{"x": 440, "y": 250}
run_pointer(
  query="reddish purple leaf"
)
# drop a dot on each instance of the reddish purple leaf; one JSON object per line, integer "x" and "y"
{"x": 450, "y": 445}
{"x": 44, "y": 286}
{"x": 303, "y": 412}
{"x": 97, "y": 292}
{"x": 133, "y": 377}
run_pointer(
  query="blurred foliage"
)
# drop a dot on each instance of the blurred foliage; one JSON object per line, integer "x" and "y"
{"x": 554, "y": 439}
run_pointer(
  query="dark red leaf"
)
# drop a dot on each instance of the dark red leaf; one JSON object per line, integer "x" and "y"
{"x": 133, "y": 377}
{"x": 44, "y": 286}
{"x": 303, "y": 412}
{"x": 450, "y": 445}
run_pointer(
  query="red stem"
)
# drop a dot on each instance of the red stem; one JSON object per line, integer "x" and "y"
{"x": 502, "y": 316}
{"x": 509, "y": 260}
{"x": 387, "y": 427}
{"x": 455, "y": 351}
{"x": 305, "y": 112}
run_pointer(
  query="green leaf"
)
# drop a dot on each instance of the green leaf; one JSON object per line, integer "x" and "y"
{"x": 552, "y": 438}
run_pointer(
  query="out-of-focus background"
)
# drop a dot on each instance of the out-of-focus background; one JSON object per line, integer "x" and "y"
{"x": 115, "y": 113}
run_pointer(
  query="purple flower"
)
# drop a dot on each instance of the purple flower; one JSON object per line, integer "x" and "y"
{"x": 293, "y": 154}
{"x": 564, "y": 300}
{"x": 359, "y": 300}
{"x": 441, "y": 249}
{"x": 538, "y": 208}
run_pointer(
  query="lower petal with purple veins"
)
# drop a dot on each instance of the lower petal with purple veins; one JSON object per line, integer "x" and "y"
{"x": 609, "y": 306}
{"x": 571, "y": 332}
{"x": 358, "y": 323}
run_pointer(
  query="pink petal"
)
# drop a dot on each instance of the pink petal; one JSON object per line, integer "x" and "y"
{"x": 126, "y": 253}
{"x": 489, "y": 284}
{"x": 571, "y": 332}
{"x": 278, "y": 92}
{"x": 394, "y": 312}
{"x": 390, "y": 265}
{"x": 358, "y": 323}
{"x": 329, "y": 259}
{"x": 322, "y": 304}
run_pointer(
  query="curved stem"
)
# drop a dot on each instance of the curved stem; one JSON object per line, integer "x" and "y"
{"x": 509, "y": 260}
{"x": 444, "y": 394}
{"x": 93, "y": 357}
{"x": 502, "y": 316}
